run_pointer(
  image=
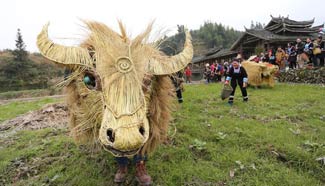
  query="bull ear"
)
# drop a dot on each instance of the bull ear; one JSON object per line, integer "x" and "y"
{"x": 163, "y": 65}
{"x": 62, "y": 54}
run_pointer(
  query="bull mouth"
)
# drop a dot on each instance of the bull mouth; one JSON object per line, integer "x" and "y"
{"x": 119, "y": 153}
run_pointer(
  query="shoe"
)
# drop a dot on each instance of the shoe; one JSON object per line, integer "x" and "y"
{"x": 121, "y": 174}
{"x": 141, "y": 174}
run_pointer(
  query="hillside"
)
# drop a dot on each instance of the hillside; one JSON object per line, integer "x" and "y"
{"x": 34, "y": 73}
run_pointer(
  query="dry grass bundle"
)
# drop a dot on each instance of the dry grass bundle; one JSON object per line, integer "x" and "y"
{"x": 254, "y": 71}
{"x": 260, "y": 73}
{"x": 129, "y": 104}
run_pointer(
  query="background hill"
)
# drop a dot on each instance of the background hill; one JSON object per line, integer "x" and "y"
{"x": 35, "y": 72}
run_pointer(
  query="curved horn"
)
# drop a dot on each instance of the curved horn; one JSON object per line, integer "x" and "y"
{"x": 163, "y": 65}
{"x": 62, "y": 54}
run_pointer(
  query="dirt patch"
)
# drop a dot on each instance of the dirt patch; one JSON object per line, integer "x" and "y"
{"x": 50, "y": 116}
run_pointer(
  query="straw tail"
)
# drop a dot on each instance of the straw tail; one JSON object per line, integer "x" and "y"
{"x": 163, "y": 65}
{"x": 74, "y": 56}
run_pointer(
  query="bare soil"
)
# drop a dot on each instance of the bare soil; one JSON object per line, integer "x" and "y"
{"x": 50, "y": 116}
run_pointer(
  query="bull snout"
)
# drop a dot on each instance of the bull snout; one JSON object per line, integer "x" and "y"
{"x": 124, "y": 138}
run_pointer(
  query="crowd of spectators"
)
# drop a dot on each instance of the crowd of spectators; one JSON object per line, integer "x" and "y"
{"x": 300, "y": 54}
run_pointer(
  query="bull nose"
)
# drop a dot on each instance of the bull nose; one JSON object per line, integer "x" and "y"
{"x": 126, "y": 138}
{"x": 111, "y": 134}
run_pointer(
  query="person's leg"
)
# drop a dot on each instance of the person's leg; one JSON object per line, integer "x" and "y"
{"x": 300, "y": 61}
{"x": 233, "y": 84}
{"x": 294, "y": 64}
{"x": 141, "y": 174}
{"x": 310, "y": 60}
{"x": 243, "y": 91}
{"x": 290, "y": 64}
{"x": 179, "y": 95}
{"x": 321, "y": 60}
{"x": 122, "y": 169}
{"x": 315, "y": 61}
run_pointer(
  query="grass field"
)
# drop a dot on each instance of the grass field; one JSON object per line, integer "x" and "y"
{"x": 277, "y": 138}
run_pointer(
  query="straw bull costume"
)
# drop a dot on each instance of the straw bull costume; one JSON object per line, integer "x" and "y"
{"x": 119, "y": 93}
{"x": 260, "y": 73}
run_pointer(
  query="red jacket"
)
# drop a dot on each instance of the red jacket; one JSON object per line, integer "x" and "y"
{"x": 188, "y": 72}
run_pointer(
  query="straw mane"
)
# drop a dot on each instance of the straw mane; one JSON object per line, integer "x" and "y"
{"x": 125, "y": 93}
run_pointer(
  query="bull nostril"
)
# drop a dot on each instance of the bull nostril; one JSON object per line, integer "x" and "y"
{"x": 110, "y": 135}
{"x": 141, "y": 130}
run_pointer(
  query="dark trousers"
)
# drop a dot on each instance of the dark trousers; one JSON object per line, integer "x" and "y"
{"x": 233, "y": 84}
{"x": 315, "y": 59}
{"x": 321, "y": 59}
{"x": 292, "y": 64}
{"x": 125, "y": 160}
{"x": 179, "y": 95}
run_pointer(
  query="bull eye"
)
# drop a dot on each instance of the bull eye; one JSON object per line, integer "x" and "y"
{"x": 90, "y": 81}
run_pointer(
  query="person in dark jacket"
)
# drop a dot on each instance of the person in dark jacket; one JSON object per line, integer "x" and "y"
{"x": 322, "y": 48}
{"x": 319, "y": 43}
{"x": 300, "y": 50}
{"x": 177, "y": 80}
{"x": 292, "y": 59}
{"x": 237, "y": 76}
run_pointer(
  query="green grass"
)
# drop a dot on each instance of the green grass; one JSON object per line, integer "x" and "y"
{"x": 274, "y": 139}
{"x": 13, "y": 109}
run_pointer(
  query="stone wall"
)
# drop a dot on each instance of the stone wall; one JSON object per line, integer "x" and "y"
{"x": 310, "y": 76}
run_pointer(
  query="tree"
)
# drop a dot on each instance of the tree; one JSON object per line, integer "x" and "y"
{"x": 174, "y": 44}
{"x": 20, "y": 53}
{"x": 257, "y": 25}
{"x": 215, "y": 35}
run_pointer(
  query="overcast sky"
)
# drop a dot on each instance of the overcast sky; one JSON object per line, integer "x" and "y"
{"x": 64, "y": 15}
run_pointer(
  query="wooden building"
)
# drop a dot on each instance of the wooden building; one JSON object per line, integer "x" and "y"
{"x": 278, "y": 32}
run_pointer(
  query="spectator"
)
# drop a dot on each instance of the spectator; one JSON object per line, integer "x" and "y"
{"x": 271, "y": 54}
{"x": 213, "y": 72}
{"x": 322, "y": 48}
{"x": 225, "y": 68}
{"x": 317, "y": 51}
{"x": 292, "y": 59}
{"x": 308, "y": 51}
{"x": 264, "y": 57}
{"x": 280, "y": 57}
{"x": 300, "y": 50}
{"x": 207, "y": 73}
{"x": 219, "y": 72}
{"x": 188, "y": 74}
{"x": 177, "y": 80}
